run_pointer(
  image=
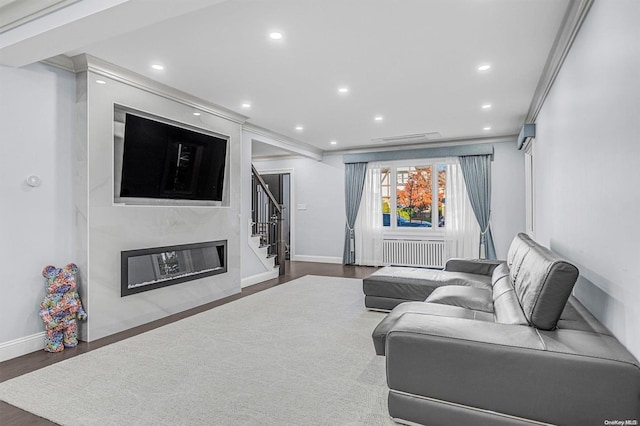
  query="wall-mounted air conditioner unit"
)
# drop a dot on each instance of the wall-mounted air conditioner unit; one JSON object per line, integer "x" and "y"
{"x": 528, "y": 131}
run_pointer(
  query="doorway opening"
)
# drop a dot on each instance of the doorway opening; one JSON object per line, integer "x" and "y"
{"x": 280, "y": 186}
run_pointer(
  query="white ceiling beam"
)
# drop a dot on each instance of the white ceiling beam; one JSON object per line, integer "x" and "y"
{"x": 15, "y": 13}
{"x": 284, "y": 143}
{"x": 79, "y": 24}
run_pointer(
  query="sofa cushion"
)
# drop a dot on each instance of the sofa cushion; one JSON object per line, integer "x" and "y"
{"x": 499, "y": 272}
{"x": 472, "y": 266}
{"x": 379, "y": 334}
{"x": 477, "y": 299}
{"x": 543, "y": 285}
{"x": 518, "y": 249}
{"x": 506, "y": 307}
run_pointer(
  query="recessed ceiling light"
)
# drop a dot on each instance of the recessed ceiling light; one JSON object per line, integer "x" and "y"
{"x": 246, "y": 105}
{"x": 196, "y": 113}
{"x": 333, "y": 143}
{"x": 299, "y": 128}
{"x": 343, "y": 90}
{"x": 486, "y": 106}
{"x": 486, "y": 128}
{"x": 484, "y": 67}
{"x": 378, "y": 118}
{"x": 275, "y": 35}
{"x": 157, "y": 67}
{"x": 101, "y": 82}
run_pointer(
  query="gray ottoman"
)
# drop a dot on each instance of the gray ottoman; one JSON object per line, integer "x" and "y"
{"x": 392, "y": 285}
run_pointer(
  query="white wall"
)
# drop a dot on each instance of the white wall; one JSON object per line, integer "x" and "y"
{"x": 587, "y": 154}
{"x": 37, "y": 228}
{"x": 319, "y": 185}
{"x": 507, "y": 196}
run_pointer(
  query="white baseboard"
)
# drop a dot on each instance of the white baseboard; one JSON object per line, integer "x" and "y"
{"x": 21, "y": 346}
{"x": 319, "y": 259}
{"x": 258, "y": 278}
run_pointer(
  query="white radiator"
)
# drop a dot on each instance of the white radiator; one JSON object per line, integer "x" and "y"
{"x": 427, "y": 253}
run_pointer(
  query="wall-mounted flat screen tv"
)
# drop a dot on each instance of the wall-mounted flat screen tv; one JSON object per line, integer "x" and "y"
{"x": 161, "y": 161}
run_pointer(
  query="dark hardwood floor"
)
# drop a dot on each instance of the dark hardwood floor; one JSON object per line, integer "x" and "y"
{"x": 13, "y": 416}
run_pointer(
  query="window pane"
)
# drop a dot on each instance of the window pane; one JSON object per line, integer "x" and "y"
{"x": 442, "y": 186}
{"x": 413, "y": 197}
{"x": 385, "y": 189}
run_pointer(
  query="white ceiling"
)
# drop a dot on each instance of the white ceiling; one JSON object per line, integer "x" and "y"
{"x": 412, "y": 61}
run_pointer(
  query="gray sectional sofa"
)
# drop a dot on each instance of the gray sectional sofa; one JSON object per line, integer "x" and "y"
{"x": 508, "y": 346}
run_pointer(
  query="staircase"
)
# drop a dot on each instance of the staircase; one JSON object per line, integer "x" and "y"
{"x": 262, "y": 251}
{"x": 266, "y": 236}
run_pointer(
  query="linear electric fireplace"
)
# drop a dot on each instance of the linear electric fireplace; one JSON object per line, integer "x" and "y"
{"x": 151, "y": 268}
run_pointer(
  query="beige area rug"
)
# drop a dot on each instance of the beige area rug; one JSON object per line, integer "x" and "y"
{"x": 297, "y": 354}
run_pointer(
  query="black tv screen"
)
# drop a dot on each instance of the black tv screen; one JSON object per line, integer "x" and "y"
{"x": 169, "y": 162}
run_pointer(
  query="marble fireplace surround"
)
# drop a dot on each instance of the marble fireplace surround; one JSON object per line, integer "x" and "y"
{"x": 152, "y": 268}
{"x": 105, "y": 228}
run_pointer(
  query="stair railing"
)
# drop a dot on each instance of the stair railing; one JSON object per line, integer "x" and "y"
{"x": 266, "y": 218}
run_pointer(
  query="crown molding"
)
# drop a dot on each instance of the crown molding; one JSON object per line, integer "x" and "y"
{"x": 276, "y": 157}
{"x": 62, "y": 62}
{"x": 575, "y": 15}
{"x": 97, "y": 66}
{"x": 439, "y": 144}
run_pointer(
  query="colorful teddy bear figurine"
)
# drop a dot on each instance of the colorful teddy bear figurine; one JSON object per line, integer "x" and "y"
{"x": 60, "y": 308}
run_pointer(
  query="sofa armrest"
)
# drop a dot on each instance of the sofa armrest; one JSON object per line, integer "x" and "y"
{"x": 472, "y": 266}
{"x": 513, "y": 369}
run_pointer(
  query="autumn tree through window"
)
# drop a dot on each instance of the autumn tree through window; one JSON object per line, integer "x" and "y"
{"x": 415, "y": 199}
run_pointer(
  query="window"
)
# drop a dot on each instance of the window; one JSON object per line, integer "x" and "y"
{"x": 413, "y": 196}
